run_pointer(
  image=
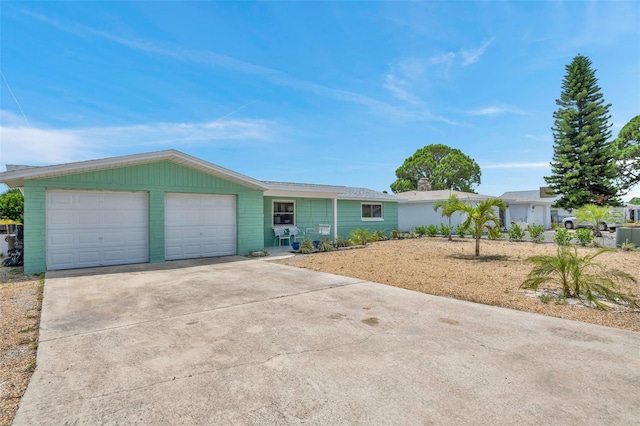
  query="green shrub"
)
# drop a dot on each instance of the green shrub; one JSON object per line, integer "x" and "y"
{"x": 432, "y": 231}
{"x": 326, "y": 245}
{"x": 422, "y": 230}
{"x": 444, "y": 230}
{"x": 378, "y": 235}
{"x": 536, "y": 233}
{"x": 627, "y": 246}
{"x": 584, "y": 236}
{"x": 396, "y": 234}
{"x": 516, "y": 233}
{"x": 461, "y": 231}
{"x": 360, "y": 237}
{"x": 343, "y": 242}
{"x": 497, "y": 235}
{"x": 306, "y": 246}
{"x": 562, "y": 237}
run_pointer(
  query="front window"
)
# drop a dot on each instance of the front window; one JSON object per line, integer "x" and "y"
{"x": 371, "y": 211}
{"x": 284, "y": 213}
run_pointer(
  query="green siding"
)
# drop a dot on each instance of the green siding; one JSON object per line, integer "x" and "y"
{"x": 350, "y": 217}
{"x": 310, "y": 212}
{"x": 154, "y": 178}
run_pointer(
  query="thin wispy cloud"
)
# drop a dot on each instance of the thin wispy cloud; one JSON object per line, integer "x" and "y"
{"x": 50, "y": 146}
{"x": 494, "y": 110}
{"x": 472, "y": 56}
{"x": 536, "y": 165}
{"x": 214, "y": 59}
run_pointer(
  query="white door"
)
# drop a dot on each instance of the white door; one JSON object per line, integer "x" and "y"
{"x": 96, "y": 228}
{"x": 199, "y": 225}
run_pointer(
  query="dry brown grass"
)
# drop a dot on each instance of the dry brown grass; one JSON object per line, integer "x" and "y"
{"x": 440, "y": 267}
{"x": 20, "y": 304}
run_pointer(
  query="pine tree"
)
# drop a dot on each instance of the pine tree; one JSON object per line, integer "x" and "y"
{"x": 583, "y": 170}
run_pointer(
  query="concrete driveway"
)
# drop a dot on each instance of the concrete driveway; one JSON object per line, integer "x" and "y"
{"x": 234, "y": 341}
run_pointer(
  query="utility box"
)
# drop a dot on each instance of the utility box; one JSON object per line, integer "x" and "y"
{"x": 628, "y": 235}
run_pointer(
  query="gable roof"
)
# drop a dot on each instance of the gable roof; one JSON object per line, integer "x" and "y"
{"x": 289, "y": 189}
{"x": 17, "y": 176}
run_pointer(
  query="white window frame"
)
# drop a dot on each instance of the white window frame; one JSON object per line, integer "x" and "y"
{"x": 372, "y": 219}
{"x": 273, "y": 213}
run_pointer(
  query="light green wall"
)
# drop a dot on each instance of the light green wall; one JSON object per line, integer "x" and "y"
{"x": 311, "y": 211}
{"x": 156, "y": 179}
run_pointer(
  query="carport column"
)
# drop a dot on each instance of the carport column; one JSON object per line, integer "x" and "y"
{"x": 507, "y": 217}
{"x": 335, "y": 218}
{"x": 156, "y": 226}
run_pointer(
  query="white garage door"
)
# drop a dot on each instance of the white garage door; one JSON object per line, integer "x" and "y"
{"x": 96, "y": 228}
{"x": 199, "y": 225}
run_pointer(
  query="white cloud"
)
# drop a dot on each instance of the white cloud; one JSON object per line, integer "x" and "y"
{"x": 493, "y": 110}
{"x": 539, "y": 165}
{"x": 41, "y": 145}
{"x": 472, "y": 56}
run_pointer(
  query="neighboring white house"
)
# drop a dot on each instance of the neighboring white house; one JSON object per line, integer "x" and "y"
{"x": 416, "y": 208}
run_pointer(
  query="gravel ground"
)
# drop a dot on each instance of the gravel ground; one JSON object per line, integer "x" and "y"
{"x": 449, "y": 268}
{"x": 20, "y": 304}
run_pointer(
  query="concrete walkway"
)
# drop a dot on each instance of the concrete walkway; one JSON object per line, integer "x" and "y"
{"x": 234, "y": 341}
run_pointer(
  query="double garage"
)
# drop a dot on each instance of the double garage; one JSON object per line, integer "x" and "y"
{"x": 100, "y": 228}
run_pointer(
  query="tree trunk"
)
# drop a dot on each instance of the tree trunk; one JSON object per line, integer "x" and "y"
{"x": 477, "y": 246}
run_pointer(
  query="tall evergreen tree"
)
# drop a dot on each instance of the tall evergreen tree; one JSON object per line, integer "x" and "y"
{"x": 583, "y": 170}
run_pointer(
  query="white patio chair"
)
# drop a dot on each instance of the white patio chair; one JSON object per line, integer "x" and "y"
{"x": 295, "y": 232}
{"x": 281, "y": 234}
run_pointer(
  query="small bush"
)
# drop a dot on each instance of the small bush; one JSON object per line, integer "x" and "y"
{"x": 343, "y": 242}
{"x": 445, "y": 230}
{"x": 306, "y": 246}
{"x": 461, "y": 231}
{"x": 360, "y": 237}
{"x": 562, "y": 237}
{"x": 432, "y": 231}
{"x": 498, "y": 235}
{"x": 627, "y": 246}
{"x": 422, "y": 230}
{"x": 378, "y": 235}
{"x": 396, "y": 234}
{"x": 516, "y": 233}
{"x": 584, "y": 237}
{"x": 326, "y": 245}
{"x": 536, "y": 233}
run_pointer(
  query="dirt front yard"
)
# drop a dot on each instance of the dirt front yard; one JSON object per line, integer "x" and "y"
{"x": 449, "y": 268}
{"x": 20, "y": 303}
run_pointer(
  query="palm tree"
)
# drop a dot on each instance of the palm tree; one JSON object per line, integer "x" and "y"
{"x": 597, "y": 216}
{"x": 479, "y": 217}
{"x": 579, "y": 277}
{"x": 451, "y": 201}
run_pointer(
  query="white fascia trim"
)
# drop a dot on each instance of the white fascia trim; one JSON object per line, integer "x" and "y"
{"x": 17, "y": 177}
{"x": 298, "y": 194}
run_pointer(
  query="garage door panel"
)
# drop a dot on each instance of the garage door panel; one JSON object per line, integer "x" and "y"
{"x": 199, "y": 225}
{"x": 95, "y": 228}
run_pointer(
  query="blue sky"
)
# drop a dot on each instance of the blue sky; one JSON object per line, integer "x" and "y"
{"x": 316, "y": 92}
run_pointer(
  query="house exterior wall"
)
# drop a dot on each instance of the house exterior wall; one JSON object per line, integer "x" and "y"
{"x": 350, "y": 217}
{"x": 314, "y": 211}
{"x": 412, "y": 215}
{"x": 154, "y": 178}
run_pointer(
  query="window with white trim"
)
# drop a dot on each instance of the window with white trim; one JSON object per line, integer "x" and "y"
{"x": 284, "y": 213}
{"x": 372, "y": 211}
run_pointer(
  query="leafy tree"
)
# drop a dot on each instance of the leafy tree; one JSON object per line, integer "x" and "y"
{"x": 442, "y": 166}
{"x": 480, "y": 217}
{"x": 442, "y": 204}
{"x": 635, "y": 201}
{"x": 627, "y": 151}
{"x": 583, "y": 170}
{"x": 579, "y": 277}
{"x": 597, "y": 216}
{"x": 12, "y": 205}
